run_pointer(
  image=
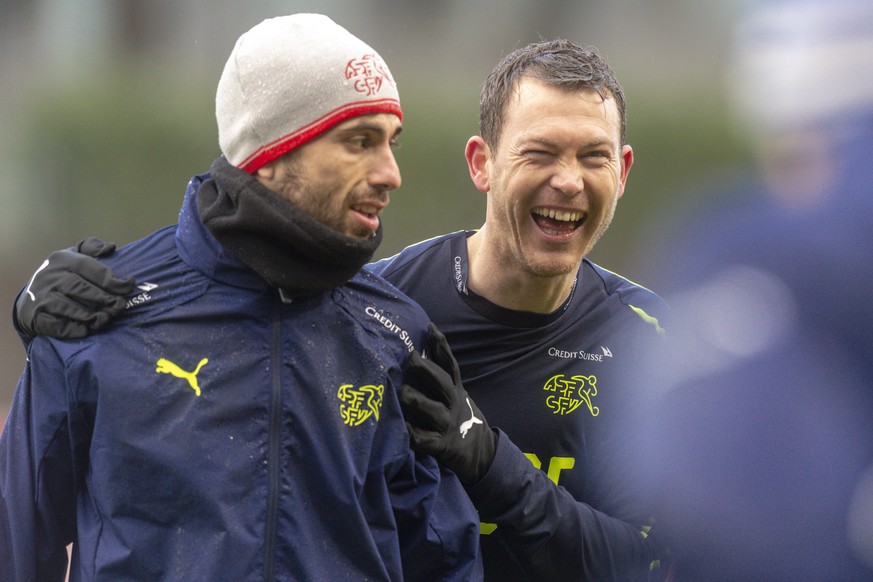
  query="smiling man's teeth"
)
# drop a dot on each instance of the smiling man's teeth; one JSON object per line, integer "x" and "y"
{"x": 558, "y": 215}
{"x": 367, "y": 209}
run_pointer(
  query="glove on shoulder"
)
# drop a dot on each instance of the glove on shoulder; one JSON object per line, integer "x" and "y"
{"x": 442, "y": 419}
{"x": 71, "y": 294}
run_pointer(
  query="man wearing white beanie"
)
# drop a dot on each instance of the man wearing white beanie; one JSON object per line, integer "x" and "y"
{"x": 241, "y": 420}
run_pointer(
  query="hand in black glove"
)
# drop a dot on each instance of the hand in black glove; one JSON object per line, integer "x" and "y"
{"x": 71, "y": 294}
{"x": 442, "y": 419}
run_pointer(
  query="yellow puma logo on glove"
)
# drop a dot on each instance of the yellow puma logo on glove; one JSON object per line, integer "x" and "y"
{"x": 165, "y": 366}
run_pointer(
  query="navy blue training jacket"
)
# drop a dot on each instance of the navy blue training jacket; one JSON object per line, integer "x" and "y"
{"x": 216, "y": 432}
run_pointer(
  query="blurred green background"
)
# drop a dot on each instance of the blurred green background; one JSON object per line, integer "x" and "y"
{"x": 106, "y": 110}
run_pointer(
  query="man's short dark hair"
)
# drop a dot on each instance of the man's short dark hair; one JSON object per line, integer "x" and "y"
{"x": 559, "y": 63}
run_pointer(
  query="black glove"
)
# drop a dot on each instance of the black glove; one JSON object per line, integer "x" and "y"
{"x": 442, "y": 419}
{"x": 71, "y": 294}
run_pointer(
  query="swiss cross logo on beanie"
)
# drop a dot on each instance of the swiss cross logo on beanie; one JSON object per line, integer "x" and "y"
{"x": 368, "y": 73}
{"x": 290, "y": 79}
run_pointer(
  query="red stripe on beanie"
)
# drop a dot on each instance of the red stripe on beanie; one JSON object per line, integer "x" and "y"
{"x": 285, "y": 144}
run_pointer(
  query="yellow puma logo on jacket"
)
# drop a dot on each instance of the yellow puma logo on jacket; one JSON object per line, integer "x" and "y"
{"x": 165, "y": 366}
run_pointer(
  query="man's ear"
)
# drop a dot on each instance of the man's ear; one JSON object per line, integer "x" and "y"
{"x": 266, "y": 174}
{"x": 627, "y": 160}
{"x": 478, "y": 154}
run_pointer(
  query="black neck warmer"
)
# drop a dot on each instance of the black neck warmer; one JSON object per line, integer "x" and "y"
{"x": 272, "y": 236}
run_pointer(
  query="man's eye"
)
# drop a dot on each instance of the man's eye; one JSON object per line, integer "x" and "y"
{"x": 596, "y": 156}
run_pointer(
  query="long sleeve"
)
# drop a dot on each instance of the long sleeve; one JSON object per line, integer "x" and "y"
{"x": 555, "y": 536}
{"x": 437, "y": 524}
{"x": 37, "y": 490}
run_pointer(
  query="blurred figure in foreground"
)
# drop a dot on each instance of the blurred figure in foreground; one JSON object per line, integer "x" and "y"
{"x": 763, "y": 443}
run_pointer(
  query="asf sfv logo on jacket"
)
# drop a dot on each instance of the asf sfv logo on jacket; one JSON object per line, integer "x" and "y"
{"x": 165, "y": 366}
{"x": 359, "y": 404}
{"x": 566, "y": 394}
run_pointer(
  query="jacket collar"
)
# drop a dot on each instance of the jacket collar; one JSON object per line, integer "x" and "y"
{"x": 202, "y": 252}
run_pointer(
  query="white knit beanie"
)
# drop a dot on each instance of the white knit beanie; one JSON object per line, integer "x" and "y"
{"x": 290, "y": 79}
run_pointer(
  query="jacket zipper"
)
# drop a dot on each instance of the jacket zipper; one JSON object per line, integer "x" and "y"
{"x": 273, "y": 464}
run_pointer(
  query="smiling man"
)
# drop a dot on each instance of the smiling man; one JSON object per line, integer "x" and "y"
{"x": 241, "y": 421}
{"x": 549, "y": 345}
{"x": 553, "y": 177}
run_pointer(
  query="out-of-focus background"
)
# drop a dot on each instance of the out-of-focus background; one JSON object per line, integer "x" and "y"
{"x": 107, "y": 109}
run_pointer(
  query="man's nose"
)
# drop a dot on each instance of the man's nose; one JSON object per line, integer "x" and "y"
{"x": 386, "y": 172}
{"x": 568, "y": 178}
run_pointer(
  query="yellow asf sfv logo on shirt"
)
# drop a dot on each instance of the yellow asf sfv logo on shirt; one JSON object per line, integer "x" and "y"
{"x": 567, "y": 394}
{"x": 359, "y": 404}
